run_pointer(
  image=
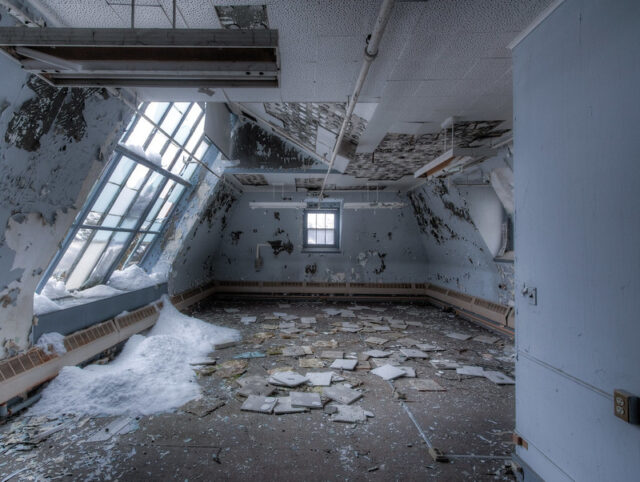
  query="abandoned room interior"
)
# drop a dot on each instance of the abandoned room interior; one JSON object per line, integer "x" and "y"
{"x": 319, "y": 240}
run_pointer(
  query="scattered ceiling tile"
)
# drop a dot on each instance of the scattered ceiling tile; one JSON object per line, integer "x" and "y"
{"x": 400, "y": 155}
{"x": 243, "y": 16}
{"x": 251, "y": 179}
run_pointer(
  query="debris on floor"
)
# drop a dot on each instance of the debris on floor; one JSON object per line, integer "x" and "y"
{"x": 231, "y": 368}
{"x": 257, "y": 403}
{"x": 308, "y": 366}
{"x": 203, "y": 406}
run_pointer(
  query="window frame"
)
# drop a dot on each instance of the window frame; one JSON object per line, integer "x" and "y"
{"x": 135, "y": 235}
{"x": 337, "y": 228}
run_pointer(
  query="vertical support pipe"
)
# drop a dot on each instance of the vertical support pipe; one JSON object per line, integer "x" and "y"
{"x": 370, "y": 53}
{"x": 174, "y": 14}
{"x": 133, "y": 13}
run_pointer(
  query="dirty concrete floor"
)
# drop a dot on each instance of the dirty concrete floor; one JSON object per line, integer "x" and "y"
{"x": 471, "y": 421}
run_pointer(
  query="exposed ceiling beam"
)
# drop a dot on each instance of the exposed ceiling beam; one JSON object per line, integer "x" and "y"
{"x": 146, "y": 57}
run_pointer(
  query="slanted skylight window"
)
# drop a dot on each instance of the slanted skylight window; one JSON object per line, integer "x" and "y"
{"x": 135, "y": 195}
{"x": 321, "y": 229}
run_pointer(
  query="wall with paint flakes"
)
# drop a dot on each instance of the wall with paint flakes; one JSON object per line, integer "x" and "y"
{"x": 187, "y": 245}
{"x": 201, "y": 224}
{"x": 458, "y": 255}
{"x": 53, "y": 145}
{"x": 380, "y": 245}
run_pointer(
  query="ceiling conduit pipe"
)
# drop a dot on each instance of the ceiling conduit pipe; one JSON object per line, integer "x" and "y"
{"x": 370, "y": 53}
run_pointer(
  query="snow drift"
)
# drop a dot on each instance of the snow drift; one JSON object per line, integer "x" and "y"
{"x": 151, "y": 375}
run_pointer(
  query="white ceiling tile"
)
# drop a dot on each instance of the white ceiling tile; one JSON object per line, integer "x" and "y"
{"x": 335, "y": 80}
{"x": 345, "y": 48}
{"x": 297, "y": 82}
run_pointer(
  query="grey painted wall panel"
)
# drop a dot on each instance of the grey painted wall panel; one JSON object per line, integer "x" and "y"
{"x": 577, "y": 111}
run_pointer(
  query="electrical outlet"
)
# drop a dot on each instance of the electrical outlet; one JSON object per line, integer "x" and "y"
{"x": 625, "y": 406}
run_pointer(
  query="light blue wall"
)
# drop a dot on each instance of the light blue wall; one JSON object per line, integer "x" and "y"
{"x": 192, "y": 244}
{"x": 369, "y": 239}
{"x": 577, "y": 185}
{"x": 457, "y": 256}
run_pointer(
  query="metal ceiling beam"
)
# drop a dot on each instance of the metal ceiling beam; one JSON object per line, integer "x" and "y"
{"x": 146, "y": 57}
{"x": 139, "y": 37}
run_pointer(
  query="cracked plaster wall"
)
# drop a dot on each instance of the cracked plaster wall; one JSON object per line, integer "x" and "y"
{"x": 256, "y": 148}
{"x": 458, "y": 257}
{"x": 377, "y": 245}
{"x": 189, "y": 249}
{"x": 187, "y": 243}
{"x": 53, "y": 146}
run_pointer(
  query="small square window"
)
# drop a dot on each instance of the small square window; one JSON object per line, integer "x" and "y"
{"x": 320, "y": 229}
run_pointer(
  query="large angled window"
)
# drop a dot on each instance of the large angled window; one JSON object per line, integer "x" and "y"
{"x": 149, "y": 171}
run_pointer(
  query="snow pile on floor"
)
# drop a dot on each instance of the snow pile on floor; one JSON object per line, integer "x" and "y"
{"x": 134, "y": 278}
{"x": 151, "y": 375}
{"x": 42, "y": 305}
{"x": 52, "y": 343}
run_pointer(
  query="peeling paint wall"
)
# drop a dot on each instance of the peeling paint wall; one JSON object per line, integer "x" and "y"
{"x": 188, "y": 249}
{"x": 254, "y": 147}
{"x": 377, "y": 245}
{"x": 53, "y": 145}
{"x": 458, "y": 256}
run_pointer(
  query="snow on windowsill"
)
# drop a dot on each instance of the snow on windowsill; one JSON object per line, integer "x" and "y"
{"x": 55, "y": 297}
